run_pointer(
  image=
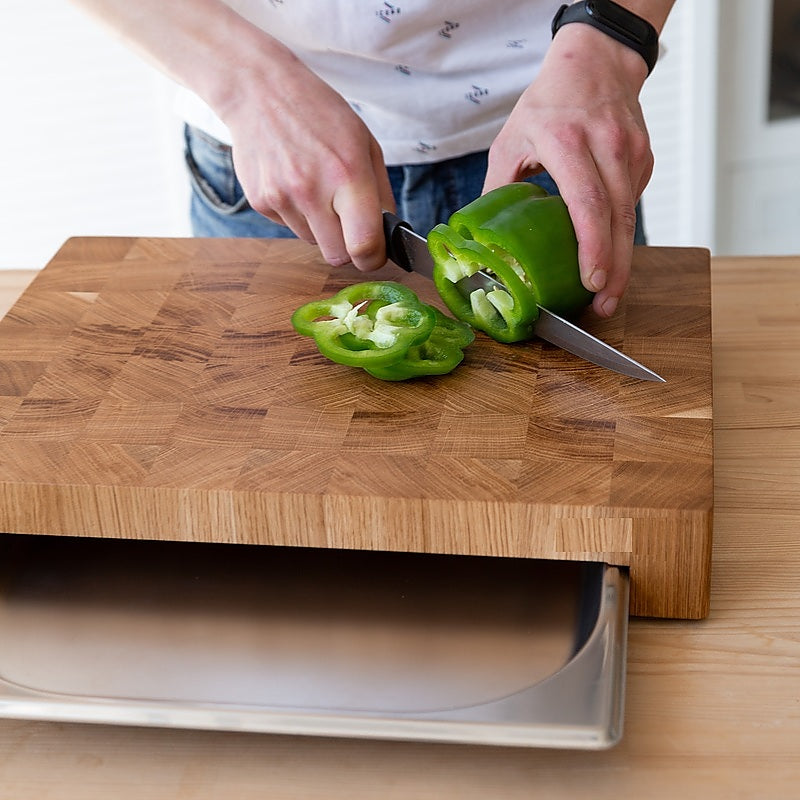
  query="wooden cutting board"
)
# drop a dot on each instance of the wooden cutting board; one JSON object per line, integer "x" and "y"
{"x": 154, "y": 388}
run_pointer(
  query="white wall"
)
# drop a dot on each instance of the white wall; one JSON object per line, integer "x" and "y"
{"x": 679, "y": 101}
{"x": 758, "y": 208}
{"x": 88, "y": 141}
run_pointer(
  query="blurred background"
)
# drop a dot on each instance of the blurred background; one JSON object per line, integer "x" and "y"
{"x": 91, "y": 144}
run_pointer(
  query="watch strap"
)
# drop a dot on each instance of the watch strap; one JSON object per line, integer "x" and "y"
{"x": 615, "y": 21}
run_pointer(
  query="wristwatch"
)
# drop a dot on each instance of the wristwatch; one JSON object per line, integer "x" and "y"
{"x": 616, "y": 22}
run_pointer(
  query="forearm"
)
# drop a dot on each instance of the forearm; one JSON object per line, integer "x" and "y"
{"x": 202, "y": 44}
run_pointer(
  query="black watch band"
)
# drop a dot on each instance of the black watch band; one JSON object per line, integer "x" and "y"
{"x": 616, "y": 22}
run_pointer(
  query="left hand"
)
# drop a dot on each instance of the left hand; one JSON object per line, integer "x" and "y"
{"x": 581, "y": 121}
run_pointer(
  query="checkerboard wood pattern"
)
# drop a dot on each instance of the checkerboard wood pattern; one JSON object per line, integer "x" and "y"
{"x": 154, "y": 388}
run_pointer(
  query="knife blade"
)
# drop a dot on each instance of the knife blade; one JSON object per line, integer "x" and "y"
{"x": 410, "y": 251}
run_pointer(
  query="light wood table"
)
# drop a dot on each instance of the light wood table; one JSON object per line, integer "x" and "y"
{"x": 713, "y": 707}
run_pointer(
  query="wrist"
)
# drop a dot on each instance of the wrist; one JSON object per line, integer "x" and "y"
{"x": 654, "y": 11}
{"x": 242, "y": 56}
{"x": 597, "y": 54}
{"x": 617, "y": 21}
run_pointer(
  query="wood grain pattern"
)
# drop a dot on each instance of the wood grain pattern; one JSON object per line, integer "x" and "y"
{"x": 711, "y": 706}
{"x": 154, "y": 388}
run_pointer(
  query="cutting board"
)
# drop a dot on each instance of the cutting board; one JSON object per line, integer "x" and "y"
{"x": 154, "y": 388}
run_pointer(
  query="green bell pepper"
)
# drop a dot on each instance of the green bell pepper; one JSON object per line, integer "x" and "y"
{"x": 386, "y": 329}
{"x": 367, "y": 324}
{"x": 521, "y": 236}
{"x": 439, "y": 354}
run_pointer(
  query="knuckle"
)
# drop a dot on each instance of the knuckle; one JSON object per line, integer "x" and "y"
{"x": 569, "y": 135}
{"x": 367, "y": 253}
{"x": 304, "y": 197}
{"x": 641, "y": 152}
{"x": 338, "y": 260}
{"x": 299, "y": 188}
{"x": 269, "y": 199}
{"x": 263, "y": 206}
{"x": 619, "y": 139}
{"x": 626, "y": 216}
{"x": 595, "y": 199}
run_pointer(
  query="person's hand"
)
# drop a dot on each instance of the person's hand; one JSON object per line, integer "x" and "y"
{"x": 306, "y": 160}
{"x": 582, "y": 122}
{"x": 303, "y": 156}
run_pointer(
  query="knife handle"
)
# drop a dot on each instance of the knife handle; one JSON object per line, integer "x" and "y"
{"x": 394, "y": 251}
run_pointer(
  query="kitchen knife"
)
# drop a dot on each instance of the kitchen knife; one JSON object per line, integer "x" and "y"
{"x": 410, "y": 251}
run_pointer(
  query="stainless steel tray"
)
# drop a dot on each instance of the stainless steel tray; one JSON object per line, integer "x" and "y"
{"x": 326, "y": 642}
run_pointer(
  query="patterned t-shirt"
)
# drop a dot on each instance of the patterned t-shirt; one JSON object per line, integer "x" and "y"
{"x": 432, "y": 79}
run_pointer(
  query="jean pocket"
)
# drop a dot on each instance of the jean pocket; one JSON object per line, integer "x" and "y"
{"x": 211, "y": 173}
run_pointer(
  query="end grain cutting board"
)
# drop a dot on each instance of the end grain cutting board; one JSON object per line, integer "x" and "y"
{"x": 154, "y": 388}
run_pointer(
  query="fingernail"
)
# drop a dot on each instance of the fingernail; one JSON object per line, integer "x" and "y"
{"x": 597, "y": 280}
{"x": 609, "y": 305}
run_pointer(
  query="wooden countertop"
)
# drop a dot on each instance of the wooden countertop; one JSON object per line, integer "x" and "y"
{"x": 713, "y": 707}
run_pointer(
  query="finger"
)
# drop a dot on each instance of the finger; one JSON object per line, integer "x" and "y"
{"x": 281, "y": 211}
{"x": 623, "y": 225}
{"x": 385, "y": 192}
{"x": 586, "y": 197}
{"x": 624, "y": 169}
{"x": 362, "y": 228}
{"x": 503, "y": 167}
{"x": 359, "y": 207}
{"x": 644, "y": 178}
{"x": 266, "y": 198}
{"x": 327, "y": 230}
{"x": 294, "y": 220}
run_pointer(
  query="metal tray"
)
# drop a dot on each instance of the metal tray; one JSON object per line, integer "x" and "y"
{"x": 306, "y": 641}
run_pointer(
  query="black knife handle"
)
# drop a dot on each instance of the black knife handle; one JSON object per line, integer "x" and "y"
{"x": 394, "y": 250}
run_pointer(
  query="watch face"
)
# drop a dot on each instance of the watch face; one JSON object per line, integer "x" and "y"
{"x": 618, "y": 18}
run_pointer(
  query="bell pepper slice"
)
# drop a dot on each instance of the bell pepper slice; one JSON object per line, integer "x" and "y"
{"x": 439, "y": 354}
{"x": 367, "y": 324}
{"x": 506, "y": 315}
{"x": 524, "y": 238}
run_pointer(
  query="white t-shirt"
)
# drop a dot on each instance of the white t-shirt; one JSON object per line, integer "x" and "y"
{"x": 432, "y": 79}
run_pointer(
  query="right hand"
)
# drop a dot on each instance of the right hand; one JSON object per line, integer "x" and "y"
{"x": 306, "y": 160}
{"x": 303, "y": 156}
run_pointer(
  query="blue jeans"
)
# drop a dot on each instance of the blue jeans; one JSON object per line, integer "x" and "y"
{"x": 426, "y": 194}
